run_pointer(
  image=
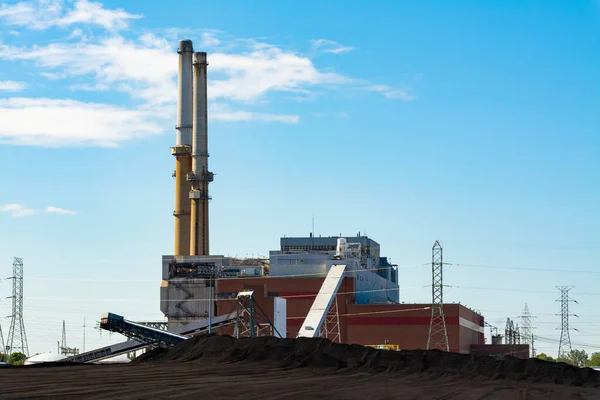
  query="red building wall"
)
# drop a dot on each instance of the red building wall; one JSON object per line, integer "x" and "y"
{"x": 406, "y": 325}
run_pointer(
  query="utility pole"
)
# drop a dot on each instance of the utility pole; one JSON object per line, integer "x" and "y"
{"x": 2, "y": 349}
{"x": 564, "y": 345}
{"x": 63, "y": 344}
{"x": 84, "y": 334}
{"x": 438, "y": 335}
{"x": 17, "y": 340}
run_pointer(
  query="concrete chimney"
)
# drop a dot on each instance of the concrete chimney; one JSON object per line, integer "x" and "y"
{"x": 200, "y": 177}
{"x": 183, "y": 149}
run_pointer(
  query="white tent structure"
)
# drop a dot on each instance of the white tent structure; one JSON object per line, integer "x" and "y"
{"x": 44, "y": 358}
{"x": 53, "y": 357}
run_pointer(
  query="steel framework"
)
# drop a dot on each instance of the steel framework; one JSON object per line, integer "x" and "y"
{"x": 331, "y": 326}
{"x": 251, "y": 320}
{"x": 17, "y": 340}
{"x": 64, "y": 349}
{"x": 511, "y": 333}
{"x": 527, "y": 329}
{"x": 438, "y": 335}
{"x": 564, "y": 345}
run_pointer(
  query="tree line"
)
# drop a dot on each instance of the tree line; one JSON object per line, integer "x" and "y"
{"x": 578, "y": 358}
{"x": 16, "y": 358}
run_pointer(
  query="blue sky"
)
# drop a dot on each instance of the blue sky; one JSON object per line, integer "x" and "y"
{"x": 475, "y": 124}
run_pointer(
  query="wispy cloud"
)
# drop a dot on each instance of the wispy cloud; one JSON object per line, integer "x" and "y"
{"x": 21, "y": 210}
{"x": 51, "y": 123}
{"x": 390, "y": 92}
{"x": 329, "y": 46}
{"x": 339, "y": 114}
{"x": 244, "y": 74}
{"x": 11, "y": 86}
{"x": 17, "y": 210}
{"x": 222, "y": 112}
{"x": 40, "y": 15}
{"x": 62, "y": 211}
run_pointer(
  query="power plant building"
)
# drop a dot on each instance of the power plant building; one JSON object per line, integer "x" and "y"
{"x": 196, "y": 284}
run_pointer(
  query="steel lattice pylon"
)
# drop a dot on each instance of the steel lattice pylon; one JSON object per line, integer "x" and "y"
{"x": 527, "y": 328}
{"x": 438, "y": 335}
{"x": 17, "y": 340}
{"x": 564, "y": 345}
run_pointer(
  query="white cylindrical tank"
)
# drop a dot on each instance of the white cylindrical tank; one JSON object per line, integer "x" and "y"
{"x": 340, "y": 248}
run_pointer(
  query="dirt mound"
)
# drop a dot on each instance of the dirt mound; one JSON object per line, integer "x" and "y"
{"x": 322, "y": 353}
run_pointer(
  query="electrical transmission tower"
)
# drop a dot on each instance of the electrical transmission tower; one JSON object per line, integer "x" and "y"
{"x": 527, "y": 329}
{"x": 17, "y": 340}
{"x": 438, "y": 336}
{"x": 564, "y": 345}
{"x": 63, "y": 342}
{"x": 64, "y": 349}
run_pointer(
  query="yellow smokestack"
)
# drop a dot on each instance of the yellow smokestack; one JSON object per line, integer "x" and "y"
{"x": 183, "y": 150}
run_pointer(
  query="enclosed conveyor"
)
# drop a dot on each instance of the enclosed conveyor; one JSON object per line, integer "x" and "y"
{"x": 318, "y": 311}
{"x": 143, "y": 335}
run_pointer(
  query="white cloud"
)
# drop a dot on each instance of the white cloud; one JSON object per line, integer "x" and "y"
{"x": 329, "y": 46}
{"x": 52, "y": 75}
{"x": 62, "y": 211}
{"x": 145, "y": 69}
{"x": 17, "y": 210}
{"x": 390, "y": 92}
{"x": 265, "y": 69}
{"x": 209, "y": 39}
{"x": 11, "y": 86}
{"x": 44, "y": 14}
{"x": 52, "y": 122}
{"x": 221, "y": 112}
{"x": 94, "y": 13}
{"x": 339, "y": 114}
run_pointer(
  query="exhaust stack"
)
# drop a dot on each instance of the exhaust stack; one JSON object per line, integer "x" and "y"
{"x": 199, "y": 177}
{"x": 183, "y": 150}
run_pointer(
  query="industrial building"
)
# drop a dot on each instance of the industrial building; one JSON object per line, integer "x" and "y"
{"x": 365, "y": 307}
{"x": 337, "y": 287}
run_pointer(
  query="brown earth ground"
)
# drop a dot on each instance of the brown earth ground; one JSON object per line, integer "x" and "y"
{"x": 269, "y": 368}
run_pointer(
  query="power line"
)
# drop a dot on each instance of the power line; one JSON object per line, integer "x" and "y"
{"x": 527, "y": 269}
{"x": 307, "y": 274}
{"x": 518, "y": 290}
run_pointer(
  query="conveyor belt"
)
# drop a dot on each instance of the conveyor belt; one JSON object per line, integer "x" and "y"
{"x": 319, "y": 309}
{"x": 145, "y": 336}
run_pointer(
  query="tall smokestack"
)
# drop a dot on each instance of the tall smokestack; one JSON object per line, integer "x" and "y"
{"x": 200, "y": 176}
{"x": 183, "y": 150}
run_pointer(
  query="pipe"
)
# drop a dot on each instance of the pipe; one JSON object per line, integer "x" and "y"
{"x": 200, "y": 176}
{"x": 183, "y": 150}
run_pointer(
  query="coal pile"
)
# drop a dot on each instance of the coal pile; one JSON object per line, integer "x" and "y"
{"x": 322, "y": 353}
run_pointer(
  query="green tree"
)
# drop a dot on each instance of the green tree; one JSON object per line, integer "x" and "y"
{"x": 543, "y": 356}
{"x": 594, "y": 360}
{"x": 17, "y": 358}
{"x": 578, "y": 358}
